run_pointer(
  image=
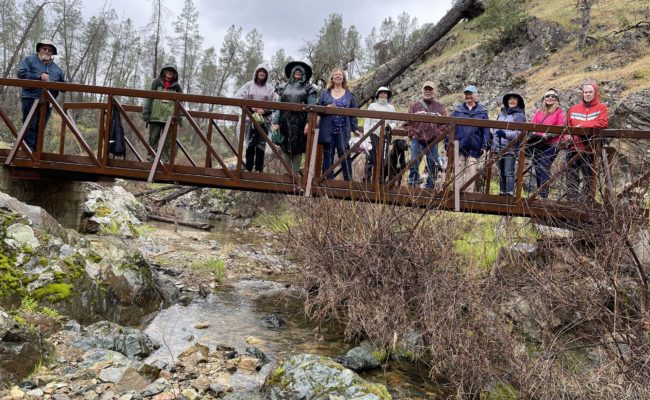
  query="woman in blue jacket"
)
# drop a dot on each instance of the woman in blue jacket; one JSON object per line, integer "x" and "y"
{"x": 334, "y": 130}
{"x": 513, "y": 111}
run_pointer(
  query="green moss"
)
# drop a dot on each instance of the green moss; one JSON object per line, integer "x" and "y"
{"x": 53, "y": 292}
{"x": 12, "y": 279}
{"x": 380, "y": 355}
{"x": 94, "y": 257}
{"x": 113, "y": 228}
{"x": 102, "y": 211}
{"x": 28, "y": 304}
{"x": 20, "y": 320}
{"x": 276, "y": 375}
{"x": 378, "y": 390}
{"x": 501, "y": 391}
{"x": 43, "y": 261}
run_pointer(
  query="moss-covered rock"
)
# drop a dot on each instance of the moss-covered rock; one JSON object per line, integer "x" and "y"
{"x": 316, "y": 377}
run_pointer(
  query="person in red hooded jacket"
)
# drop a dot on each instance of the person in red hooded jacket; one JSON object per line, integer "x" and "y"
{"x": 589, "y": 113}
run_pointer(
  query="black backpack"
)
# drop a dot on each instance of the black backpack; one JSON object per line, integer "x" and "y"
{"x": 117, "y": 143}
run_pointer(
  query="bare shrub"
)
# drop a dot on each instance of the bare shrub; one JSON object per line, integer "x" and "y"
{"x": 392, "y": 275}
{"x": 586, "y": 334}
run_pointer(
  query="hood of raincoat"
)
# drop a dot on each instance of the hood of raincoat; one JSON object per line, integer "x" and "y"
{"x": 265, "y": 68}
{"x": 171, "y": 67}
{"x": 596, "y": 99}
{"x": 304, "y": 67}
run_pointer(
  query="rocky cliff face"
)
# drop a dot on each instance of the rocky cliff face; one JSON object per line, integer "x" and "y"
{"x": 512, "y": 62}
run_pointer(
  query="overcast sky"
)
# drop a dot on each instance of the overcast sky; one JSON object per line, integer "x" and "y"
{"x": 282, "y": 23}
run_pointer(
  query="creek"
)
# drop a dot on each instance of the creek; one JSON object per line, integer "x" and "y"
{"x": 235, "y": 314}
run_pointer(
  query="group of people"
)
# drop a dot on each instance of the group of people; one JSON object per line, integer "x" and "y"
{"x": 335, "y": 130}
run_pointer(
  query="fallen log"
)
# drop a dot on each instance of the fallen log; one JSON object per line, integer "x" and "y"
{"x": 463, "y": 9}
{"x": 157, "y": 190}
{"x": 176, "y": 194}
{"x": 171, "y": 220}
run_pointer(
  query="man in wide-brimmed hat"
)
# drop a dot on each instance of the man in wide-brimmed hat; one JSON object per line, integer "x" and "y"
{"x": 41, "y": 67}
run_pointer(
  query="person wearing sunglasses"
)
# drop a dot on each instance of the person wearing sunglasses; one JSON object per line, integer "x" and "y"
{"x": 545, "y": 147}
{"x": 39, "y": 67}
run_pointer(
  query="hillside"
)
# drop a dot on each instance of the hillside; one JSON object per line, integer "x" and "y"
{"x": 539, "y": 53}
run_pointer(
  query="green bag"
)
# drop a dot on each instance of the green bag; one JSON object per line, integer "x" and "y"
{"x": 276, "y": 137}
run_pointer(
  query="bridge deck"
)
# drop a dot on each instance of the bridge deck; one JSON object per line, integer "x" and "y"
{"x": 208, "y": 150}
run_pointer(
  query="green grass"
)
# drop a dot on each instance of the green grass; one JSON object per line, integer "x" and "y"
{"x": 215, "y": 265}
{"x": 278, "y": 221}
{"x": 480, "y": 245}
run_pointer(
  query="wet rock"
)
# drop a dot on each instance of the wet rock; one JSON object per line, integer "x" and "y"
{"x": 21, "y": 350}
{"x": 156, "y": 387}
{"x": 202, "y": 383}
{"x": 253, "y": 340}
{"x": 19, "y": 236}
{"x": 250, "y": 364}
{"x": 72, "y": 326}
{"x": 273, "y": 321}
{"x": 37, "y": 393}
{"x": 307, "y": 376}
{"x": 256, "y": 353}
{"x": 362, "y": 358}
{"x": 113, "y": 209}
{"x": 190, "y": 394}
{"x": 196, "y": 354}
{"x": 202, "y": 325}
{"x": 6, "y": 323}
{"x": 131, "y": 342}
{"x": 247, "y": 395}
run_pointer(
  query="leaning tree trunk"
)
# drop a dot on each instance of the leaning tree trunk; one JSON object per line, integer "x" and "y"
{"x": 385, "y": 74}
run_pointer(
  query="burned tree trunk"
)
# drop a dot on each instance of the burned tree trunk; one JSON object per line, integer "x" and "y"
{"x": 385, "y": 74}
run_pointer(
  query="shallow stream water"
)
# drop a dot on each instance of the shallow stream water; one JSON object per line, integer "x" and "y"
{"x": 235, "y": 313}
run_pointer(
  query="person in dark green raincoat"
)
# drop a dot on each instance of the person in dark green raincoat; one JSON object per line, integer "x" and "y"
{"x": 157, "y": 111}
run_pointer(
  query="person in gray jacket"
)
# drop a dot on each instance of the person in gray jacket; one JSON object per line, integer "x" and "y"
{"x": 257, "y": 89}
{"x": 39, "y": 67}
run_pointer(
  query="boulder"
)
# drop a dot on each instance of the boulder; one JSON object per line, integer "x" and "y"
{"x": 315, "y": 377}
{"x": 130, "y": 342}
{"x": 21, "y": 349}
{"x": 6, "y": 323}
{"x": 113, "y": 210}
{"x": 363, "y": 357}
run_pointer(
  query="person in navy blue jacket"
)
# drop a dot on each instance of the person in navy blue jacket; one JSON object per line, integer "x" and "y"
{"x": 513, "y": 110}
{"x": 473, "y": 141}
{"x": 334, "y": 130}
{"x": 40, "y": 67}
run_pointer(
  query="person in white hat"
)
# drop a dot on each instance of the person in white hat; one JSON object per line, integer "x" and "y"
{"x": 39, "y": 67}
{"x": 382, "y": 103}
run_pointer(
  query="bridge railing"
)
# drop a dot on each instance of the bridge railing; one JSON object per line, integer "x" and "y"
{"x": 203, "y": 152}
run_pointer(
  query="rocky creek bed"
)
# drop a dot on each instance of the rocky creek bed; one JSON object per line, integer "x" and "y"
{"x": 164, "y": 312}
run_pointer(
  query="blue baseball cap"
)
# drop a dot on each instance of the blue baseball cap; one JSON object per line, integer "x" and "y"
{"x": 471, "y": 89}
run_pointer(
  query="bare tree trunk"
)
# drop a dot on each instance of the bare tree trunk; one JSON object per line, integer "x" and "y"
{"x": 157, "y": 39}
{"x": 22, "y": 40}
{"x": 385, "y": 74}
{"x": 585, "y": 5}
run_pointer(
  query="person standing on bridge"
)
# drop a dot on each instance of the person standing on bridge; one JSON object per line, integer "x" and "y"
{"x": 157, "y": 111}
{"x": 513, "y": 110}
{"x": 334, "y": 130}
{"x": 545, "y": 147}
{"x": 257, "y": 89}
{"x": 422, "y": 134}
{"x": 382, "y": 103}
{"x": 473, "y": 141}
{"x": 39, "y": 67}
{"x": 589, "y": 113}
{"x": 293, "y": 124}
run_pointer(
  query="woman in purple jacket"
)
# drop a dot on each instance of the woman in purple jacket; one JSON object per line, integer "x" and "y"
{"x": 334, "y": 130}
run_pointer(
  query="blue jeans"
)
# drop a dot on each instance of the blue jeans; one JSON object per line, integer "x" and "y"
{"x": 31, "y": 134}
{"x": 341, "y": 145}
{"x": 431, "y": 156}
{"x": 543, "y": 157}
{"x": 507, "y": 174}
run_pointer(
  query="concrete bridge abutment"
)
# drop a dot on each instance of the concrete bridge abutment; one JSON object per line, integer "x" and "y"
{"x": 62, "y": 199}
